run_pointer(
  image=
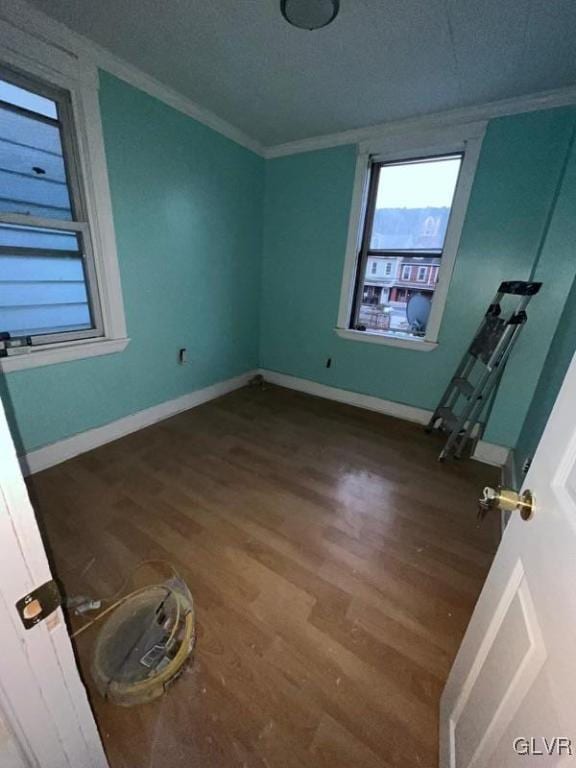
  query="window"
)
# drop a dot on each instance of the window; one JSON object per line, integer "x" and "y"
{"x": 60, "y": 291}
{"x": 407, "y": 216}
{"x": 374, "y": 267}
{"x": 48, "y": 288}
{"x": 371, "y": 295}
{"x": 408, "y": 207}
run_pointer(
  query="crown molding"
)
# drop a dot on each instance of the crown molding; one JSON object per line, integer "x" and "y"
{"x": 536, "y": 101}
{"x": 22, "y": 16}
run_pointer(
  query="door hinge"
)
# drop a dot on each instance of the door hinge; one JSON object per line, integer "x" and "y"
{"x": 38, "y": 604}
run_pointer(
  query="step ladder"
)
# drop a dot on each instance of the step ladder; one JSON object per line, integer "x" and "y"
{"x": 471, "y": 391}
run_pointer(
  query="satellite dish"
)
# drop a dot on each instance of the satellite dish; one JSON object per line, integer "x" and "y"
{"x": 418, "y": 312}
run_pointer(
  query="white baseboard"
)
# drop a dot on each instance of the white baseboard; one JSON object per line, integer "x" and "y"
{"x": 369, "y": 402}
{"x": 490, "y": 453}
{"x": 487, "y": 453}
{"x": 55, "y": 453}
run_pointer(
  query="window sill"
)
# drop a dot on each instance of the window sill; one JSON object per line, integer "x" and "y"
{"x": 36, "y": 357}
{"x": 416, "y": 345}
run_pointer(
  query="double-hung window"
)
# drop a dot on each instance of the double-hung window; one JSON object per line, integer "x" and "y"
{"x": 60, "y": 289}
{"x": 407, "y": 216}
{"x": 408, "y": 208}
{"x": 48, "y": 287}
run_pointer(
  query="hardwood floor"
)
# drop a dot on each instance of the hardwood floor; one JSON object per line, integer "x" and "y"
{"x": 334, "y": 566}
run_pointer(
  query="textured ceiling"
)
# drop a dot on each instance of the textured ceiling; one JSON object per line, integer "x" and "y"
{"x": 380, "y": 60}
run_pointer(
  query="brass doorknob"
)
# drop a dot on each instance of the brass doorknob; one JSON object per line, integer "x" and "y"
{"x": 505, "y": 500}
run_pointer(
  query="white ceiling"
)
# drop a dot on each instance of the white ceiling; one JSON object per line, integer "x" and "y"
{"x": 380, "y": 60}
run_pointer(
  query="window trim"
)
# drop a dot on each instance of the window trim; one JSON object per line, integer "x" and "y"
{"x": 35, "y": 59}
{"x": 466, "y": 139}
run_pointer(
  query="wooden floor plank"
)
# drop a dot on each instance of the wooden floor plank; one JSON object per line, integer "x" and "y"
{"x": 334, "y": 566}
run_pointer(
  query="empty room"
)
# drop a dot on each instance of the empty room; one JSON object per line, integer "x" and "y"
{"x": 287, "y": 376}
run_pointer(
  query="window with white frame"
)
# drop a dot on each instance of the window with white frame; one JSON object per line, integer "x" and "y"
{"x": 48, "y": 288}
{"x": 409, "y": 205}
{"x": 407, "y": 215}
{"x": 60, "y": 291}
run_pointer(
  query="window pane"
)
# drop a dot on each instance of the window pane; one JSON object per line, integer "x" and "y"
{"x": 413, "y": 204}
{"x": 388, "y": 300}
{"x": 42, "y": 282}
{"x": 20, "y": 97}
{"x": 411, "y": 214}
{"x": 37, "y": 237}
{"x": 32, "y": 173}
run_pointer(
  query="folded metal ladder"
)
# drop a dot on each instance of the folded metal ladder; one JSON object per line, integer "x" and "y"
{"x": 473, "y": 387}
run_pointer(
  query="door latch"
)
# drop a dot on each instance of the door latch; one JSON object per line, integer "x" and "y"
{"x": 505, "y": 500}
{"x": 38, "y": 604}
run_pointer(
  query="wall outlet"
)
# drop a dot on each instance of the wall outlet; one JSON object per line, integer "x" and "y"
{"x": 183, "y": 356}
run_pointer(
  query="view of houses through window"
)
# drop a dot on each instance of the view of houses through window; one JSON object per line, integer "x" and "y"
{"x": 409, "y": 205}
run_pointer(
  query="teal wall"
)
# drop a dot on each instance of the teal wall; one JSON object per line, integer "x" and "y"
{"x": 561, "y": 246}
{"x": 241, "y": 262}
{"x": 307, "y": 206}
{"x": 187, "y": 206}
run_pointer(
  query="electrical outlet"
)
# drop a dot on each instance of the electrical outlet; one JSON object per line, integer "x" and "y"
{"x": 183, "y": 356}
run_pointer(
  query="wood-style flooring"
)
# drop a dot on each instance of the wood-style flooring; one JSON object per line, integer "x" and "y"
{"x": 334, "y": 566}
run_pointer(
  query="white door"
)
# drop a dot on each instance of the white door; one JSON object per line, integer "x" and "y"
{"x": 510, "y": 699}
{"x": 45, "y": 717}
